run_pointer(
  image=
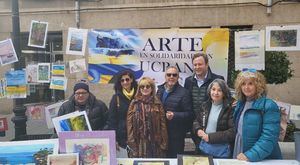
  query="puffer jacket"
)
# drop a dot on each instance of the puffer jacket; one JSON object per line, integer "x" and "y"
{"x": 260, "y": 131}
{"x": 96, "y": 111}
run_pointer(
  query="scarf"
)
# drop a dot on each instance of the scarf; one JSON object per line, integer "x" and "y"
{"x": 128, "y": 94}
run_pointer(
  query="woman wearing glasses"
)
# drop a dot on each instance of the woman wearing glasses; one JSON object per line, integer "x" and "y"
{"x": 125, "y": 88}
{"x": 146, "y": 123}
{"x": 256, "y": 118}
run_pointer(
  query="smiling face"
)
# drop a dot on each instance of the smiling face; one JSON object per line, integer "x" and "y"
{"x": 216, "y": 93}
{"x": 126, "y": 82}
{"x": 81, "y": 96}
{"x": 200, "y": 67}
{"x": 171, "y": 77}
{"x": 145, "y": 89}
{"x": 249, "y": 88}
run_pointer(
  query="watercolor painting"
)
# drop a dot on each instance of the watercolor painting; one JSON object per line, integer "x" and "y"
{"x": 63, "y": 159}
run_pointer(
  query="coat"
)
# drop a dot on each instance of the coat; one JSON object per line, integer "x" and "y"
{"x": 146, "y": 129}
{"x": 260, "y": 131}
{"x": 96, "y": 111}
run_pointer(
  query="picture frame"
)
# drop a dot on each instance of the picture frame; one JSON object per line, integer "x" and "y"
{"x": 31, "y": 73}
{"x": 77, "y": 65}
{"x": 58, "y": 83}
{"x": 76, "y": 121}
{"x": 27, "y": 152}
{"x": 58, "y": 70}
{"x": 35, "y": 112}
{"x": 43, "y": 73}
{"x": 63, "y": 159}
{"x": 283, "y": 38}
{"x": 51, "y": 111}
{"x": 146, "y": 161}
{"x": 3, "y": 124}
{"x": 8, "y": 54}
{"x": 151, "y": 162}
{"x": 76, "y": 42}
{"x": 38, "y": 34}
{"x": 90, "y": 145}
{"x": 194, "y": 160}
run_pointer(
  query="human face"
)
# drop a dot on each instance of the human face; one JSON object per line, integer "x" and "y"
{"x": 126, "y": 82}
{"x": 200, "y": 67}
{"x": 171, "y": 77}
{"x": 145, "y": 89}
{"x": 249, "y": 88}
{"x": 216, "y": 93}
{"x": 81, "y": 96}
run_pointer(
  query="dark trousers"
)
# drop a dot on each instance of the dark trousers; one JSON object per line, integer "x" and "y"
{"x": 175, "y": 146}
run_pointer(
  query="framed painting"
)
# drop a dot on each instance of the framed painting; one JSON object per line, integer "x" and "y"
{"x": 3, "y": 124}
{"x": 27, "y": 152}
{"x": 38, "y": 34}
{"x": 63, "y": 159}
{"x": 76, "y": 41}
{"x": 51, "y": 111}
{"x": 283, "y": 38}
{"x": 194, "y": 160}
{"x": 43, "y": 73}
{"x": 94, "y": 147}
{"x": 76, "y": 121}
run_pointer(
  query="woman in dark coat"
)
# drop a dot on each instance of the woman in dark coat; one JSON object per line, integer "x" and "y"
{"x": 125, "y": 89}
{"x": 214, "y": 121}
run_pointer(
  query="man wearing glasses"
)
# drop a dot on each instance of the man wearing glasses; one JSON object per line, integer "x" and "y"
{"x": 178, "y": 109}
{"x": 84, "y": 100}
{"x": 197, "y": 85}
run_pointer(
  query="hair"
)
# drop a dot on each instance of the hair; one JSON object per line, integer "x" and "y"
{"x": 205, "y": 57}
{"x": 224, "y": 88}
{"x": 172, "y": 67}
{"x": 258, "y": 79}
{"x": 118, "y": 86}
{"x": 148, "y": 81}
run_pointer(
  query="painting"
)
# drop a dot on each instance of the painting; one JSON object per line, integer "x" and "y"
{"x": 3, "y": 124}
{"x": 31, "y": 72}
{"x": 58, "y": 69}
{"x": 194, "y": 160}
{"x": 283, "y": 38}
{"x": 51, "y": 111}
{"x": 43, "y": 73}
{"x": 63, "y": 159}
{"x": 7, "y": 52}
{"x": 94, "y": 147}
{"x": 77, "y": 65}
{"x": 284, "y": 115}
{"x": 38, "y": 34}
{"x": 58, "y": 83}
{"x": 27, "y": 152}
{"x": 76, "y": 121}
{"x": 35, "y": 112}
{"x": 76, "y": 43}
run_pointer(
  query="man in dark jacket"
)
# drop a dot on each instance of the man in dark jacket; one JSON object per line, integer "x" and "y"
{"x": 84, "y": 100}
{"x": 197, "y": 85}
{"x": 177, "y": 105}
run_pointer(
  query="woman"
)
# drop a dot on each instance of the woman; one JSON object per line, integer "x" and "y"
{"x": 125, "y": 89}
{"x": 146, "y": 123}
{"x": 214, "y": 124}
{"x": 257, "y": 119}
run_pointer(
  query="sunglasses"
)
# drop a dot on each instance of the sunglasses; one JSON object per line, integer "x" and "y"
{"x": 125, "y": 79}
{"x": 145, "y": 86}
{"x": 172, "y": 74}
{"x": 249, "y": 70}
{"x": 248, "y": 73}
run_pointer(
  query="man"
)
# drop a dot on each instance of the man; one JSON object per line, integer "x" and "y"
{"x": 177, "y": 105}
{"x": 197, "y": 85}
{"x": 84, "y": 100}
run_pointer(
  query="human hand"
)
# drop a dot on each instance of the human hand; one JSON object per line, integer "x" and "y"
{"x": 169, "y": 115}
{"x": 242, "y": 156}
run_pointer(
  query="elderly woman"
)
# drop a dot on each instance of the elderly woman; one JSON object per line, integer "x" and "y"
{"x": 125, "y": 88}
{"x": 256, "y": 118}
{"x": 146, "y": 123}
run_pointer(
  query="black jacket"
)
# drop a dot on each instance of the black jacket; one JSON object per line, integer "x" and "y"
{"x": 179, "y": 102}
{"x": 96, "y": 111}
{"x": 117, "y": 117}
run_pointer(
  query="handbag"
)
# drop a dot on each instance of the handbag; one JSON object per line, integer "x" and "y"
{"x": 215, "y": 150}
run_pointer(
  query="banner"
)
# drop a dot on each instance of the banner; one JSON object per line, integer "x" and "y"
{"x": 149, "y": 52}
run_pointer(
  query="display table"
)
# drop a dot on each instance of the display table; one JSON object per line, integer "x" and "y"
{"x": 137, "y": 161}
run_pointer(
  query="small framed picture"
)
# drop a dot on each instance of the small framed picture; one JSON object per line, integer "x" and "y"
{"x": 43, "y": 73}
{"x": 38, "y": 34}
{"x": 3, "y": 124}
{"x": 194, "y": 160}
{"x": 76, "y": 41}
{"x": 51, "y": 111}
{"x": 63, "y": 159}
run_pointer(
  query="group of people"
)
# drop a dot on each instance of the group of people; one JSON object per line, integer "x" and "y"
{"x": 152, "y": 123}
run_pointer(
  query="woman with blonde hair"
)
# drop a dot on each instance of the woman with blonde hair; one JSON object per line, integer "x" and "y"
{"x": 146, "y": 124}
{"x": 256, "y": 118}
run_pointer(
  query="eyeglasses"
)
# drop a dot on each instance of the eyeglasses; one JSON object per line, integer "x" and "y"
{"x": 172, "y": 74}
{"x": 125, "y": 79}
{"x": 81, "y": 93}
{"x": 252, "y": 70}
{"x": 145, "y": 86}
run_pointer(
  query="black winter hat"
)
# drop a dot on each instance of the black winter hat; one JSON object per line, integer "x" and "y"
{"x": 81, "y": 85}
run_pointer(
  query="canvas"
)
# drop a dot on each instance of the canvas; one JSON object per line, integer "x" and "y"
{"x": 63, "y": 159}
{"x": 94, "y": 147}
{"x": 51, "y": 111}
{"x": 27, "y": 152}
{"x": 38, "y": 34}
{"x": 76, "y": 41}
